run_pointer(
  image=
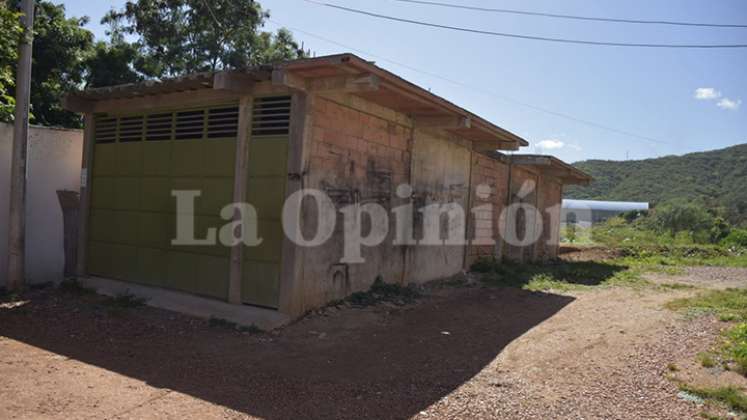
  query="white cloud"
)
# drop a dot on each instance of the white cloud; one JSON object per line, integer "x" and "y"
{"x": 729, "y": 104}
{"x": 551, "y": 144}
{"x": 706, "y": 94}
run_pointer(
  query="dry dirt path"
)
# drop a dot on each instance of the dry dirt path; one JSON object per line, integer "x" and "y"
{"x": 458, "y": 353}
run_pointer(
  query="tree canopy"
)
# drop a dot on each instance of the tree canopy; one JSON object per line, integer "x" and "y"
{"x": 187, "y": 36}
{"x": 146, "y": 39}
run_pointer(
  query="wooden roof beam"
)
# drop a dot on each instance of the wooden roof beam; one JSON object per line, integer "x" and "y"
{"x": 442, "y": 123}
{"x": 233, "y": 81}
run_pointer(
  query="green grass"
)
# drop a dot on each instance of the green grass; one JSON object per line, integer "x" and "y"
{"x": 706, "y": 360}
{"x": 730, "y": 303}
{"x": 736, "y": 346}
{"x": 732, "y": 397}
{"x": 559, "y": 276}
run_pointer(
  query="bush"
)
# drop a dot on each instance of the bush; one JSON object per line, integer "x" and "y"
{"x": 737, "y": 237}
{"x": 737, "y": 347}
{"x": 680, "y": 216}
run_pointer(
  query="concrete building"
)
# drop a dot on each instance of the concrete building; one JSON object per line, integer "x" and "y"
{"x": 587, "y": 212}
{"x": 338, "y": 124}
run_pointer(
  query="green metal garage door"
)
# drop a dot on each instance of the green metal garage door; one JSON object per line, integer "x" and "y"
{"x": 268, "y": 160}
{"x": 140, "y": 159}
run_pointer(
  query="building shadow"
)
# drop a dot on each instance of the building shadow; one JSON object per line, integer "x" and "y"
{"x": 347, "y": 367}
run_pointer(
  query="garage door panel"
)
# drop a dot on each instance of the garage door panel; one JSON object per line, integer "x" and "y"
{"x": 105, "y": 159}
{"x": 101, "y": 225}
{"x": 156, "y": 230}
{"x": 100, "y": 257}
{"x": 261, "y": 284}
{"x": 157, "y": 158}
{"x": 182, "y": 271}
{"x": 127, "y": 191}
{"x": 103, "y": 192}
{"x": 270, "y": 249}
{"x": 152, "y": 266}
{"x": 219, "y": 158}
{"x": 268, "y": 156}
{"x": 130, "y": 159}
{"x": 212, "y": 276}
{"x": 155, "y": 195}
{"x": 187, "y": 158}
{"x": 267, "y": 196}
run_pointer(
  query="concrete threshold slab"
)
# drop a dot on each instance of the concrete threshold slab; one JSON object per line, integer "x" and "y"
{"x": 266, "y": 319}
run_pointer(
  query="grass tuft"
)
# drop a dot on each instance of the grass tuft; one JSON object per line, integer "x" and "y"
{"x": 734, "y": 398}
{"x": 729, "y": 303}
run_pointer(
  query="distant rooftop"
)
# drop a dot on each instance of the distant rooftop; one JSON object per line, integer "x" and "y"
{"x": 620, "y": 206}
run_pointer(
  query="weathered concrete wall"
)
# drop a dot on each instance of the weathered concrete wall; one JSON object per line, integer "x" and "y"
{"x": 550, "y": 198}
{"x": 53, "y": 164}
{"x": 440, "y": 175}
{"x": 358, "y": 153}
{"x": 523, "y": 190}
{"x": 485, "y": 222}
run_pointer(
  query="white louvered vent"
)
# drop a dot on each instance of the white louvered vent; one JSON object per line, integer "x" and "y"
{"x": 271, "y": 116}
{"x": 223, "y": 123}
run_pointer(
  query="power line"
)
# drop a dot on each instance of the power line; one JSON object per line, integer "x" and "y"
{"x": 519, "y": 36}
{"x": 479, "y": 90}
{"x": 561, "y": 16}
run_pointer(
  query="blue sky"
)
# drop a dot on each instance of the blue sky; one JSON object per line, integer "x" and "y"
{"x": 650, "y": 92}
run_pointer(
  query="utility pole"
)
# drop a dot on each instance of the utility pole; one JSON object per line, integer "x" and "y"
{"x": 17, "y": 233}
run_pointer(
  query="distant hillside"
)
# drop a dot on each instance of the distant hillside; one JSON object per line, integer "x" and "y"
{"x": 716, "y": 178}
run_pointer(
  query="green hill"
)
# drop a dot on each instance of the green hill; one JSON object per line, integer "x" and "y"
{"x": 716, "y": 178}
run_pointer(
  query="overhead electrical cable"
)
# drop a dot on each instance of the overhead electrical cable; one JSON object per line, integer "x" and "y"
{"x": 481, "y": 90}
{"x": 528, "y": 37}
{"x": 572, "y": 17}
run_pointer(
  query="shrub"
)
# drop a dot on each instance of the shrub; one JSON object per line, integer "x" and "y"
{"x": 681, "y": 216}
{"x": 737, "y": 237}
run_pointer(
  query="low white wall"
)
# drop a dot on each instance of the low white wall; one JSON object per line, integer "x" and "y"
{"x": 54, "y": 159}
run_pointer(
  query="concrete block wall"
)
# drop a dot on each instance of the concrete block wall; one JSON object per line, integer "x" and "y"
{"x": 358, "y": 153}
{"x": 54, "y": 159}
{"x": 485, "y": 223}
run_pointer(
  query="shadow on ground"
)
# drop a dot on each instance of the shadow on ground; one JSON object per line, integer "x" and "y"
{"x": 369, "y": 363}
{"x": 586, "y": 273}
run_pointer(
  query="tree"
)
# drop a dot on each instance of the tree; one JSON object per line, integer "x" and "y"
{"x": 10, "y": 29}
{"x": 60, "y": 47}
{"x": 112, "y": 64}
{"x": 678, "y": 215}
{"x": 187, "y": 36}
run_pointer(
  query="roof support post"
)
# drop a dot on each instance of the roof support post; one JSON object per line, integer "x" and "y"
{"x": 86, "y": 170}
{"x": 240, "y": 180}
{"x": 291, "y": 269}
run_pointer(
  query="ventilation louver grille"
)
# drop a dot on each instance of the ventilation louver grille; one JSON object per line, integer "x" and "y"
{"x": 271, "y": 116}
{"x": 130, "y": 129}
{"x": 106, "y": 130}
{"x": 223, "y": 122}
{"x": 158, "y": 127}
{"x": 212, "y": 123}
{"x": 189, "y": 125}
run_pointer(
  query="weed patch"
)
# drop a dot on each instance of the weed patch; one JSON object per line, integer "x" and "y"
{"x": 726, "y": 304}
{"x": 730, "y": 396}
{"x": 224, "y": 323}
{"x": 125, "y": 300}
{"x": 73, "y": 286}
{"x": 560, "y": 276}
{"x": 384, "y": 292}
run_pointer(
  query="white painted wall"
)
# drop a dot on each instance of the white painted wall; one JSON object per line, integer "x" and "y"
{"x": 53, "y": 164}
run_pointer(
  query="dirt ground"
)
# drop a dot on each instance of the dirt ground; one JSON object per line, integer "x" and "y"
{"x": 465, "y": 352}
